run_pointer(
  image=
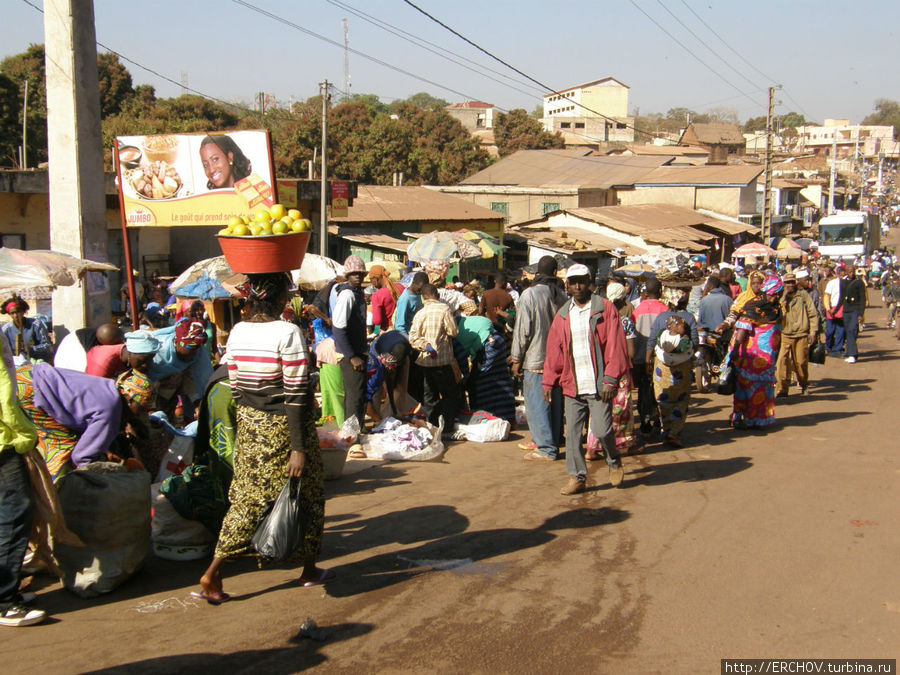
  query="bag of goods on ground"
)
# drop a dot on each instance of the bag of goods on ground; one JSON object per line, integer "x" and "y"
{"x": 109, "y": 509}
{"x": 394, "y": 440}
{"x": 175, "y": 537}
{"x": 487, "y": 431}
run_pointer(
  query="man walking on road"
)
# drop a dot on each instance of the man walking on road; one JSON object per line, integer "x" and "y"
{"x": 534, "y": 314}
{"x": 586, "y": 356}
{"x": 800, "y": 329}
{"x": 854, "y": 306}
{"x": 431, "y": 333}
{"x": 833, "y": 300}
{"x": 349, "y": 322}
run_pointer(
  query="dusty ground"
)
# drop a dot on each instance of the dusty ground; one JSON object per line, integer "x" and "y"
{"x": 752, "y": 545}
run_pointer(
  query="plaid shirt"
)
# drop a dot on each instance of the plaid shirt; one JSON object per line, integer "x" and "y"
{"x": 433, "y": 325}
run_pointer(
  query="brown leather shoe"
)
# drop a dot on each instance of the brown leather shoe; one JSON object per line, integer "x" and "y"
{"x": 573, "y": 487}
{"x": 616, "y": 475}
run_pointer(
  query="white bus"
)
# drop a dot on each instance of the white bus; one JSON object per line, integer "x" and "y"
{"x": 849, "y": 234}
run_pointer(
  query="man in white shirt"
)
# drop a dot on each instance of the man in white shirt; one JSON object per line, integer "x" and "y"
{"x": 833, "y": 300}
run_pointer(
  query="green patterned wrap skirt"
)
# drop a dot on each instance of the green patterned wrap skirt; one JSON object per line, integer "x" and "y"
{"x": 261, "y": 453}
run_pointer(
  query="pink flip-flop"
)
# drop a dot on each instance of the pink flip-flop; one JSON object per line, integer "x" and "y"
{"x": 216, "y": 598}
{"x": 325, "y": 576}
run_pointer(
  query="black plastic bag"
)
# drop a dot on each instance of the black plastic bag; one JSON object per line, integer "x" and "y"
{"x": 281, "y": 528}
{"x": 817, "y": 352}
{"x": 727, "y": 377}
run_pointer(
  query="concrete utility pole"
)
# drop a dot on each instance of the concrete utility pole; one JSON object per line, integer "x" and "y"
{"x": 833, "y": 174}
{"x": 25, "y": 127}
{"x": 75, "y": 152}
{"x": 767, "y": 196}
{"x": 323, "y": 221}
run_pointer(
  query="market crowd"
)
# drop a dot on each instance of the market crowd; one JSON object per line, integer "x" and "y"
{"x": 602, "y": 367}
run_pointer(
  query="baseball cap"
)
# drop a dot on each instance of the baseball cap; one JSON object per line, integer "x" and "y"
{"x": 578, "y": 270}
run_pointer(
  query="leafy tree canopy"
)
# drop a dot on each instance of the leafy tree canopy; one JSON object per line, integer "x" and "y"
{"x": 887, "y": 113}
{"x": 516, "y": 130}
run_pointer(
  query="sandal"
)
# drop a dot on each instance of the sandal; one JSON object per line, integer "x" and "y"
{"x": 215, "y": 598}
{"x": 324, "y": 577}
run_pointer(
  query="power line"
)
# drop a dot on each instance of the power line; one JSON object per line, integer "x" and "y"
{"x": 702, "y": 42}
{"x": 374, "y": 59}
{"x": 513, "y": 68}
{"x": 736, "y": 53}
{"x": 689, "y": 51}
{"x": 425, "y": 44}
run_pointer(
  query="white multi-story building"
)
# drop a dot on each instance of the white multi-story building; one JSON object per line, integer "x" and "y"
{"x": 590, "y": 114}
{"x": 851, "y": 140}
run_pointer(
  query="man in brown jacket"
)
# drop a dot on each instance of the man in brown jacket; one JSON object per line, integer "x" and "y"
{"x": 800, "y": 329}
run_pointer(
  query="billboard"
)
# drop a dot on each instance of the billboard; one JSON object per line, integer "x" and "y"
{"x": 172, "y": 180}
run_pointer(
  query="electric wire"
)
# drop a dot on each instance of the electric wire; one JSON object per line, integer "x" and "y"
{"x": 425, "y": 44}
{"x": 736, "y": 53}
{"x": 513, "y": 68}
{"x": 689, "y": 51}
{"x": 703, "y": 42}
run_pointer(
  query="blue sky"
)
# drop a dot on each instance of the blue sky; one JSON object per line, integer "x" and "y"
{"x": 833, "y": 58}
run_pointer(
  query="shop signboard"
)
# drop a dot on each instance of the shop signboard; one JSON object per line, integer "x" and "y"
{"x": 172, "y": 180}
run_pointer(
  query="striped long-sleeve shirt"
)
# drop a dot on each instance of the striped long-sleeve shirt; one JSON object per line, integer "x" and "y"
{"x": 268, "y": 370}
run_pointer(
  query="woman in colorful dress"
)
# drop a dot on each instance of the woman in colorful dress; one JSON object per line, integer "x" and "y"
{"x": 622, "y": 410}
{"x": 276, "y": 438}
{"x": 756, "y": 317}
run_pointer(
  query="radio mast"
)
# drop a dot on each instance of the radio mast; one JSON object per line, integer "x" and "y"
{"x": 346, "y": 60}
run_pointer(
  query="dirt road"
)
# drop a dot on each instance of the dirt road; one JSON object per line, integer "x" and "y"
{"x": 744, "y": 544}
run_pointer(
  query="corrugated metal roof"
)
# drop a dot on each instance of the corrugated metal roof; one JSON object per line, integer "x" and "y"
{"x": 376, "y": 240}
{"x": 588, "y": 84}
{"x": 381, "y": 203}
{"x": 701, "y": 175}
{"x": 470, "y": 104}
{"x": 675, "y": 150}
{"x": 576, "y": 239}
{"x": 663, "y": 224}
{"x": 718, "y": 134}
{"x": 565, "y": 167}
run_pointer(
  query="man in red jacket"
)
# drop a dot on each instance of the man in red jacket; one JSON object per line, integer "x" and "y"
{"x": 586, "y": 356}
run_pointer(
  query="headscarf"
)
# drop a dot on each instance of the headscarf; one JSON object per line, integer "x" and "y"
{"x": 190, "y": 333}
{"x": 12, "y": 303}
{"x": 141, "y": 342}
{"x": 747, "y": 295}
{"x": 615, "y": 291}
{"x": 136, "y": 387}
{"x": 437, "y": 270}
{"x": 380, "y": 271}
{"x": 772, "y": 285}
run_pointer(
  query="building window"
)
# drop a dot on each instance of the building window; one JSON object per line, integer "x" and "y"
{"x": 579, "y": 125}
{"x": 549, "y": 207}
{"x": 621, "y": 125}
{"x": 565, "y": 125}
{"x": 501, "y": 208}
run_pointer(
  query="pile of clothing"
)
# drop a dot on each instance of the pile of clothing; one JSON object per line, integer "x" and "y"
{"x": 394, "y": 440}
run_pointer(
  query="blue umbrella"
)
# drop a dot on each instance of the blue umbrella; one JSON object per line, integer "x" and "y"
{"x": 204, "y": 288}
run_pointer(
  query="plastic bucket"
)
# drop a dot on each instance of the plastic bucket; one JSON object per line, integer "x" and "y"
{"x": 264, "y": 253}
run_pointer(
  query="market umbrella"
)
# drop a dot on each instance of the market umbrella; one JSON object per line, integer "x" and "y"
{"x": 22, "y": 270}
{"x": 204, "y": 288}
{"x": 489, "y": 246}
{"x": 315, "y": 272}
{"x": 212, "y": 268}
{"x": 754, "y": 250}
{"x": 782, "y": 243}
{"x": 804, "y": 243}
{"x": 790, "y": 253}
{"x": 443, "y": 246}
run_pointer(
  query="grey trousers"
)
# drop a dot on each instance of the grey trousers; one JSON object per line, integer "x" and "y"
{"x": 577, "y": 410}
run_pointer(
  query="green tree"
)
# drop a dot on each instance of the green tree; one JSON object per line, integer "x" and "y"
{"x": 755, "y": 124}
{"x": 420, "y": 100}
{"x": 538, "y": 111}
{"x": 371, "y": 101}
{"x": 10, "y": 129}
{"x": 29, "y": 65}
{"x": 114, "y": 82}
{"x": 515, "y": 130}
{"x": 887, "y": 113}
